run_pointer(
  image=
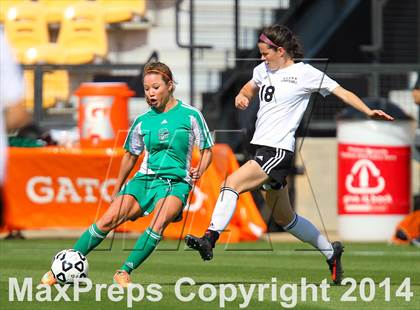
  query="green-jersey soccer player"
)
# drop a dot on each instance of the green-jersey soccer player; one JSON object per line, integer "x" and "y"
{"x": 166, "y": 134}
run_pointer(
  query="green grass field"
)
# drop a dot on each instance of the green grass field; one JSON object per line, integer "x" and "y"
{"x": 245, "y": 263}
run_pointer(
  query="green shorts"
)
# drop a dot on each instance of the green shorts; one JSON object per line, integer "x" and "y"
{"x": 148, "y": 190}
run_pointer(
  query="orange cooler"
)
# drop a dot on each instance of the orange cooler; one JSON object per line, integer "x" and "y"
{"x": 103, "y": 114}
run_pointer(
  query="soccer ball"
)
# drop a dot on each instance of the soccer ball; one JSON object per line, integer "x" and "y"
{"x": 68, "y": 265}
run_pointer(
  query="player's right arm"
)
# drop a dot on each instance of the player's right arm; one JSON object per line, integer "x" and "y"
{"x": 416, "y": 96}
{"x": 248, "y": 91}
{"x": 134, "y": 146}
{"x": 127, "y": 163}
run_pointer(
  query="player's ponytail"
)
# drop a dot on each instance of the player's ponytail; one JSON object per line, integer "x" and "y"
{"x": 281, "y": 36}
{"x": 296, "y": 50}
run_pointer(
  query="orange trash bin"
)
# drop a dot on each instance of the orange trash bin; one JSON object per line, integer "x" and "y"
{"x": 103, "y": 114}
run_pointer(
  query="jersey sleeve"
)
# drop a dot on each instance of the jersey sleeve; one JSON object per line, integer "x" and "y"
{"x": 257, "y": 75}
{"x": 202, "y": 136}
{"x": 318, "y": 81}
{"x": 134, "y": 142}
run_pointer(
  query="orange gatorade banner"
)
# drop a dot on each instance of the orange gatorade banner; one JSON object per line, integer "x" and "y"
{"x": 61, "y": 188}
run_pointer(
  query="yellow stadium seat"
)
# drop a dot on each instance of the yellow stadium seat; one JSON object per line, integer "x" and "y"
{"x": 26, "y": 28}
{"x": 5, "y": 5}
{"x": 82, "y": 37}
{"x": 55, "y": 8}
{"x": 55, "y": 88}
{"x": 123, "y": 10}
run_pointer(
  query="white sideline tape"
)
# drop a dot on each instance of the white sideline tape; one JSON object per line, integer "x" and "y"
{"x": 316, "y": 253}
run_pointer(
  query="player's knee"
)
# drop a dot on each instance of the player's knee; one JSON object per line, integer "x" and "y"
{"x": 159, "y": 227}
{"x": 281, "y": 222}
{"x": 285, "y": 219}
{"x": 230, "y": 182}
{"x": 102, "y": 226}
{"x": 107, "y": 222}
{"x": 161, "y": 223}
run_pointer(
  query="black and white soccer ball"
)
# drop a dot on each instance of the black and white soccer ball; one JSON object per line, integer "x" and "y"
{"x": 68, "y": 265}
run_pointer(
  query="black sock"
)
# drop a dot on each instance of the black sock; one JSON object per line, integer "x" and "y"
{"x": 212, "y": 236}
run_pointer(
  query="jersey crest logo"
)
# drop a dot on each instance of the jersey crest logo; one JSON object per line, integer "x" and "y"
{"x": 164, "y": 122}
{"x": 163, "y": 134}
{"x": 260, "y": 157}
{"x": 289, "y": 79}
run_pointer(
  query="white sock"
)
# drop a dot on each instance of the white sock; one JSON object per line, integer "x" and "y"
{"x": 225, "y": 207}
{"x": 305, "y": 231}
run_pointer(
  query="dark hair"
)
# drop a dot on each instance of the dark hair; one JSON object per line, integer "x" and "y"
{"x": 159, "y": 68}
{"x": 283, "y": 37}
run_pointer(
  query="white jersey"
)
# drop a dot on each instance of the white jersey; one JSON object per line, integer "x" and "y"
{"x": 284, "y": 95}
{"x": 11, "y": 92}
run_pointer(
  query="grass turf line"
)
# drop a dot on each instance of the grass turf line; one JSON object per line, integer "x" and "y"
{"x": 245, "y": 263}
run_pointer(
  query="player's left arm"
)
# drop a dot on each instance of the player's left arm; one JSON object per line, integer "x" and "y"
{"x": 205, "y": 161}
{"x": 353, "y": 100}
{"x": 16, "y": 116}
{"x": 204, "y": 141}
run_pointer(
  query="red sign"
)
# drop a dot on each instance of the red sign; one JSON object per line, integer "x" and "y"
{"x": 373, "y": 179}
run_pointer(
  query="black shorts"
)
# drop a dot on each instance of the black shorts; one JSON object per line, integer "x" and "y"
{"x": 276, "y": 163}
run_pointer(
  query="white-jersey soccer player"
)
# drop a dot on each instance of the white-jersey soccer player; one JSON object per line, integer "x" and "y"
{"x": 13, "y": 114}
{"x": 284, "y": 87}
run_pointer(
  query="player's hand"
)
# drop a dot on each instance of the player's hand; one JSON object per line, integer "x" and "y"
{"x": 241, "y": 102}
{"x": 380, "y": 115}
{"x": 195, "y": 173}
{"x": 113, "y": 196}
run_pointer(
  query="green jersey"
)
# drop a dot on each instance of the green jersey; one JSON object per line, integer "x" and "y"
{"x": 167, "y": 138}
